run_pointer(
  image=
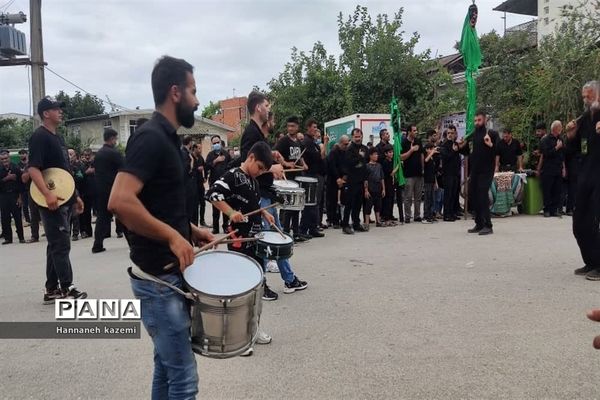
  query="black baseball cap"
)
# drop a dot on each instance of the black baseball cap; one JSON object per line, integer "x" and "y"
{"x": 49, "y": 103}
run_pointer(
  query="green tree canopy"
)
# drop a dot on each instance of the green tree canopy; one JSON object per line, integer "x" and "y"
{"x": 78, "y": 105}
{"x": 211, "y": 109}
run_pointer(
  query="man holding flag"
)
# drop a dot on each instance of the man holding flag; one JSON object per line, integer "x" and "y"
{"x": 397, "y": 173}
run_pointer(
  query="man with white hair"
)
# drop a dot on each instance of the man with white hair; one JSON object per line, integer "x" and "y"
{"x": 553, "y": 169}
{"x": 585, "y": 132}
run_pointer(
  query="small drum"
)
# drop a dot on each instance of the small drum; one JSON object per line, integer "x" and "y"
{"x": 292, "y": 194}
{"x": 228, "y": 287}
{"x": 272, "y": 246}
{"x": 310, "y": 189}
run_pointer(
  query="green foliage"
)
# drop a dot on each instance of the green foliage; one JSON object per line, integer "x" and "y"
{"x": 14, "y": 134}
{"x": 235, "y": 141}
{"x": 78, "y": 106}
{"x": 211, "y": 109}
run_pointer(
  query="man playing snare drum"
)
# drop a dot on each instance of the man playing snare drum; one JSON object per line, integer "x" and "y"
{"x": 148, "y": 196}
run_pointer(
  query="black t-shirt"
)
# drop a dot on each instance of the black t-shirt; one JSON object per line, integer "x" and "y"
{"x": 290, "y": 150}
{"x": 240, "y": 192}
{"x": 553, "y": 159}
{"x": 483, "y": 158}
{"x": 216, "y": 170}
{"x": 430, "y": 170}
{"x": 312, "y": 157}
{"x": 509, "y": 152}
{"x": 252, "y": 135}
{"x": 10, "y": 186}
{"x": 387, "y": 167}
{"x": 450, "y": 159}
{"x": 107, "y": 162}
{"x": 374, "y": 177}
{"x": 412, "y": 166}
{"x": 47, "y": 150}
{"x": 153, "y": 156}
{"x": 355, "y": 163}
{"x": 588, "y": 141}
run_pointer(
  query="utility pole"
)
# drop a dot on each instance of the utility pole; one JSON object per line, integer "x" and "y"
{"x": 38, "y": 81}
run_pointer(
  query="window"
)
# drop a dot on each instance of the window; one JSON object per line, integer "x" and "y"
{"x": 546, "y": 22}
{"x": 546, "y": 10}
{"x": 132, "y": 126}
{"x": 107, "y": 124}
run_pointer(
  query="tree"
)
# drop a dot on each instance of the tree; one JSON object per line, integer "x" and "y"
{"x": 79, "y": 106}
{"x": 211, "y": 109}
{"x": 14, "y": 133}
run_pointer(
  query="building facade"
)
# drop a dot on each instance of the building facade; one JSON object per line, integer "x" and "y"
{"x": 90, "y": 129}
{"x": 233, "y": 113}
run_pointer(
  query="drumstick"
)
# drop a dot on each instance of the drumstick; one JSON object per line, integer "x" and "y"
{"x": 240, "y": 240}
{"x": 278, "y": 230}
{"x": 293, "y": 170}
{"x": 300, "y": 158}
{"x": 260, "y": 210}
{"x": 203, "y": 248}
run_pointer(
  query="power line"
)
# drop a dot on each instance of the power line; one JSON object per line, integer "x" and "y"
{"x": 7, "y": 5}
{"x": 80, "y": 88}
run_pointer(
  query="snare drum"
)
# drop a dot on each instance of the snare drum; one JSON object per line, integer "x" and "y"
{"x": 272, "y": 246}
{"x": 292, "y": 194}
{"x": 310, "y": 189}
{"x": 228, "y": 287}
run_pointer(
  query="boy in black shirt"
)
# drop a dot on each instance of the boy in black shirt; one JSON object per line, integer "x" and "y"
{"x": 374, "y": 189}
{"x": 429, "y": 176}
{"x": 387, "y": 166}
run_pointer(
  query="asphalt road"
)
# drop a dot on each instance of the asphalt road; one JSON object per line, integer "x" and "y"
{"x": 410, "y": 312}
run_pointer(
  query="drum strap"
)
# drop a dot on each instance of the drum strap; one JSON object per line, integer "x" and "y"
{"x": 143, "y": 275}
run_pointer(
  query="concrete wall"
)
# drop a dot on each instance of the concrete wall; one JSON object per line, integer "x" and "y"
{"x": 550, "y": 14}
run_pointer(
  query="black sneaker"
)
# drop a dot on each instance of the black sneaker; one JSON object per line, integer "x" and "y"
{"x": 336, "y": 226}
{"x": 418, "y": 219}
{"x": 360, "y": 228}
{"x": 269, "y": 295}
{"x": 347, "y": 230}
{"x": 51, "y": 295}
{"x": 583, "y": 270}
{"x": 96, "y": 250}
{"x": 73, "y": 293}
{"x": 297, "y": 284}
{"x": 317, "y": 234}
{"x": 593, "y": 275}
{"x": 299, "y": 239}
{"x": 75, "y": 238}
{"x": 305, "y": 236}
{"x": 475, "y": 229}
{"x": 546, "y": 214}
{"x": 486, "y": 231}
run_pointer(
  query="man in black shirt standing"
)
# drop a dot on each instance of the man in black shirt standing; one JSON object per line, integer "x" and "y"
{"x": 509, "y": 155}
{"x": 355, "y": 176}
{"x": 190, "y": 176}
{"x": 148, "y": 196}
{"x": 290, "y": 149}
{"x": 450, "y": 157}
{"x": 585, "y": 131}
{"x": 217, "y": 163}
{"x": 413, "y": 159}
{"x": 313, "y": 158}
{"x": 384, "y": 141}
{"x": 22, "y": 164}
{"x": 335, "y": 180}
{"x": 11, "y": 189}
{"x": 482, "y": 164}
{"x": 48, "y": 150}
{"x": 88, "y": 193}
{"x": 107, "y": 163}
{"x": 553, "y": 169}
{"x": 200, "y": 179}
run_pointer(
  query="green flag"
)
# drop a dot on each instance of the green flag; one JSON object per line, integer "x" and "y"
{"x": 471, "y": 52}
{"x": 395, "y": 123}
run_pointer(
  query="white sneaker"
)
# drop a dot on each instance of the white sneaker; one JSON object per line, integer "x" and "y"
{"x": 247, "y": 353}
{"x": 272, "y": 267}
{"x": 263, "y": 338}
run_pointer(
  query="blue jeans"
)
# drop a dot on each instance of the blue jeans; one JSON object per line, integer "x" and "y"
{"x": 166, "y": 317}
{"x": 285, "y": 269}
{"x": 438, "y": 200}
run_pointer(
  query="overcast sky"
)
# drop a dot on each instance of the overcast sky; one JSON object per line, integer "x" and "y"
{"x": 108, "y": 47}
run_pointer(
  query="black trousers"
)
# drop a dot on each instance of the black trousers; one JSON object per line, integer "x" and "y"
{"x": 451, "y": 188}
{"x": 25, "y": 207}
{"x": 202, "y": 204}
{"x": 479, "y": 186}
{"x": 35, "y": 218}
{"x": 353, "y": 202}
{"x": 85, "y": 219}
{"x": 551, "y": 190}
{"x": 586, "y": 218}
{"x": 103, "y": 221}
{"x": 58, "y": 265}
{"x": 290, "y": 221}
{"x": 191, "y": 202}
{"x": 333, "y": 209}
{"x": 10, "y": 210}
{"x": 387, "y": 203}
{"x": 573, "y": 167}
{"x": 216, "y": 214}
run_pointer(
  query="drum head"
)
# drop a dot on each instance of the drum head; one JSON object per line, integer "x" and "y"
{"x": 285, "y": 184}
{"x": 307, "y": 179}
{"x": 273, "y": 237}
{"x": 223, "y": 273}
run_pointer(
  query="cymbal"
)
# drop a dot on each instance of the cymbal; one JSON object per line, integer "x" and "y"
{"x": 59, "y": 182}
